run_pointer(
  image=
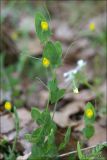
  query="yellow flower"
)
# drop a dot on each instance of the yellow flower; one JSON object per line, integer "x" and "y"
{"x": 8, "y": 106}
{"x": 75, "y": 90}
{"x": 44, "y": 25}
{"x": 89, "y": 113}
{"x": 14, "y": 36}
{"x": 92, "y": 26}
{"x": 45, "y": 62}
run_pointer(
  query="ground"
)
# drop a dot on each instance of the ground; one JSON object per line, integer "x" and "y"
{"x": 20, "y": 70}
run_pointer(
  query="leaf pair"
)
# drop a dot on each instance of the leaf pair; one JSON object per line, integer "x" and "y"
{"x": 42, "y": 35}
{"x": 43, "y": 119}
{"x": 53, "y": 53}
{"x": 95, "y": 152}
{"x": 43, "y": 138}
{"x": 89, "y": 118}
{"x": 66, "y": 139}
{"x": 55, "y": 93}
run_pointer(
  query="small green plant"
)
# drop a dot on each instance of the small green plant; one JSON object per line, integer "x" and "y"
{"x": 89, "y": 118}
{"x": 11, "y": 153}
{"x": 43, "y": 138}
{"x": 94, "y": 154}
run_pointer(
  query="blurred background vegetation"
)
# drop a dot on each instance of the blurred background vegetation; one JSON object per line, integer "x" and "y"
{"x": 18, "y": 38}
{"x": 19, "y": 47}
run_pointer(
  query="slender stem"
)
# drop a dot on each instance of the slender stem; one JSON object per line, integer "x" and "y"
{"x": 16, "y": 119}
{"x": 42, "y": 82}
{"x": 90, "y": 86}
{"x": 46, "y": 9}
{"x": 72, "y": 43}
{"x": 33, "y": 57}
{"x": 30, "y": 56}
{"x": 84, "y": 149}
{"x": 5, "y": 74}
{"x": 69, "y": 153}
{"x": 47, "y": 88}
{"x": 54, "y": 110}
{"x": 17, "y": 127}
{"x": 47, "y": 106}
{"x": 54, "y": 75}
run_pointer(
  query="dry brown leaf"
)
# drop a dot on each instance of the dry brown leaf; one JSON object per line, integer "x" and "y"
{"x": 25, "y": 157}
{"x": 85, "y": 95}
{"x": 35, "y": 47}
{"x": 80, "y": 126}
{"x": 7, "y": 123}
{"x": 86, "y": 54}
{"x": 24, "y": 116}
{"x": 64, "y": 118}
{"x": 64, "y": 33}
{"x": 99, "y": 136}
{"x": 43, "y": 97}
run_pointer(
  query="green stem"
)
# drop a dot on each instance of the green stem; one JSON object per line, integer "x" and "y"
{"x": 53, "y": 71}
{"x": 74, "y": 84}
{"x": 17, "y": 128}
{"x": 47, "y": 106}
{"x": 5, "y": 74}
{"x": 16, "y": 118}
{"x": 33, "y": 57}
{"x": 84, "y": 149}
{"x": 54, "y": 110}
{"x": 42, "y": 82}
{"x": 47, "y": 88}
{"x": 54, "y": 76}
{"x": 90, "y": 86}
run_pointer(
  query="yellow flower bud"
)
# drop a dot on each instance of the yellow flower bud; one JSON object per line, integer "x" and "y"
{"x": 8, "y": 106}
{"x": 44, "y": 25}
{"x": 92, "y": 26}
{"x": 45, "y": 62}
{"x": 89, "y": 113}
{"x": 14, "y": 36}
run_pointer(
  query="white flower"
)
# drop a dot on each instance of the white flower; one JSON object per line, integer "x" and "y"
{"x": 75, "y": 90}
{"x": 81, "y": 63}
{"x": 70, "y": 75}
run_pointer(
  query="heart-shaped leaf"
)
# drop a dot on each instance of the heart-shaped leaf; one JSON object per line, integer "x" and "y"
{"x": 43, "y": 35}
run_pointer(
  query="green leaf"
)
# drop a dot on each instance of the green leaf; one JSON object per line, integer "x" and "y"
{"x": 36, "y": 115}
{"x": 66, "y": 139}
{"x": 58, "y": 47}
{"x": 43, "y": 35}
{"x": 99, "y": 148}
{"x": 60, "y": 94}
{"x": 96, "y": 152}
{"x": 80, "y": 155}
{"x": 28, "y": 137}
{"x": 37, "y": 152}
{"x": 55, "y": 93}
{"x": 86, "y": 118}
{"x": 45, "y": 122}
{"x": 50, "y": 144}
{"x": 3, "y": 142}
{"x": 48, "y": 123}
{"x": 88, "y": 131}
{"x": 52, "y": 53}
{"x": 44, "y": 138}
{"x": 37, "y": 136}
